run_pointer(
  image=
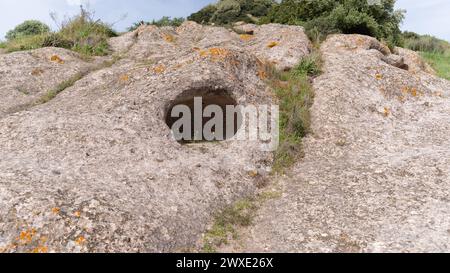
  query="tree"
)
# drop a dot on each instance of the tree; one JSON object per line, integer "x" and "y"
{"x": 204, "y": 15}
{"x": 230, "y": 11}
{"x": 27, "y": 28}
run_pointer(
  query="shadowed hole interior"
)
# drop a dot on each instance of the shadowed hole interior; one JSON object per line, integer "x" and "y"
{"x": 209, "y": 97}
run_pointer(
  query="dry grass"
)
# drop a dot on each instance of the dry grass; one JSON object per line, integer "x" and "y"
{"x": 81, "y": 33}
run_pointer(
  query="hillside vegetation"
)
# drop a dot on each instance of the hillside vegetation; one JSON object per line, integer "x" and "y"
{"x": 81, "y": 33}
{"x": 323, "y": 17}
{"x": 320, "y": 17}
{"x": 163, "y": 22}
{"x": 230, "y": 11}
{"x": 435, "y": 51}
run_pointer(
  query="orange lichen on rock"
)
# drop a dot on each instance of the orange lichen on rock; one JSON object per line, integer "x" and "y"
{"x": 215, "y": 53}
{"x": 56, "y": 210}
{"x": 40, "y": 249}
{"x": 412, "y": 91}
{"x": 57, "y": 59}
{"x": 159, "y": 69}
{"x": 262, "y": 74}
{"x": 26, "y": 237}
{"x": 77, "y": 214}
{"x": 80, "y": 241}
{"x": 168, "y": 38}
{"x": 124, "y": 78}
{"x": 246, "y": 37}
{"x": 272, "y": 44}
{"x": 360, "y": 41}
{"x": 405, "y": 90}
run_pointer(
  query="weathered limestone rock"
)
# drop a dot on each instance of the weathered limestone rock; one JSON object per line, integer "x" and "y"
{"x": 96, "y": 169}
{"x": 376, "y": 175}
{"x": 27, "y": 76}
{"x": 281, "y": 45}
{"x": 414, "y": 61}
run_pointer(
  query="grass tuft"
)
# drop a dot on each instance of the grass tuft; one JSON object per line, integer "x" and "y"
{"x": 226, "y": 223}
{"x": 51, "y": 94}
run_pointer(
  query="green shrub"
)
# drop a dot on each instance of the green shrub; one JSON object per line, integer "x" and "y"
{"x": 203, "y": 16}
{"x": 163, "y": 22}
{"x": 168, "y": 22}
{"x": 230, "y": 11}
{"x": 56, "y": 40}
{"x": 323, "y": 17}
{"x": 27, "y": 28}
{"x": 24, "y": 43}
{"x": 89, "y": 36}
{"x": 81, "y": 33}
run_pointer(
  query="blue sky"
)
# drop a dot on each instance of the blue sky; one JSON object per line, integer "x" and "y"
{"x": 423, "y": 16}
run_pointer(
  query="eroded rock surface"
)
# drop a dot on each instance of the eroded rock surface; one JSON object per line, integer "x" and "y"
{"x": 96, "y": 169}
{"x": 376, "y": 174}
{"x": 282, "y": 45}
{"x": 25, "y": 77}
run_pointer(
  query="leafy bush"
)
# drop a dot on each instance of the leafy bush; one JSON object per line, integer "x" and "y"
{"x": 163, "y": 22}
{"x": 323, "y": 17}
{"x": 229, "y": 11}
{"x": 27, "y": 28}
{"x": 203, "y": 16}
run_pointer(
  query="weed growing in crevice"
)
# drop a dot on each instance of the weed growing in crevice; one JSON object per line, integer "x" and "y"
{"x": 227, "y": 223}
{"x": 295, "y": 93}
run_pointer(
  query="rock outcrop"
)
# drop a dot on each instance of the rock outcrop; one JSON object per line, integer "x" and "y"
{"x": 96, "y": 169}
{"x": 376, "y": 176}
{"x": 25, "y": 77}
{"x": 283, "y": 46}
